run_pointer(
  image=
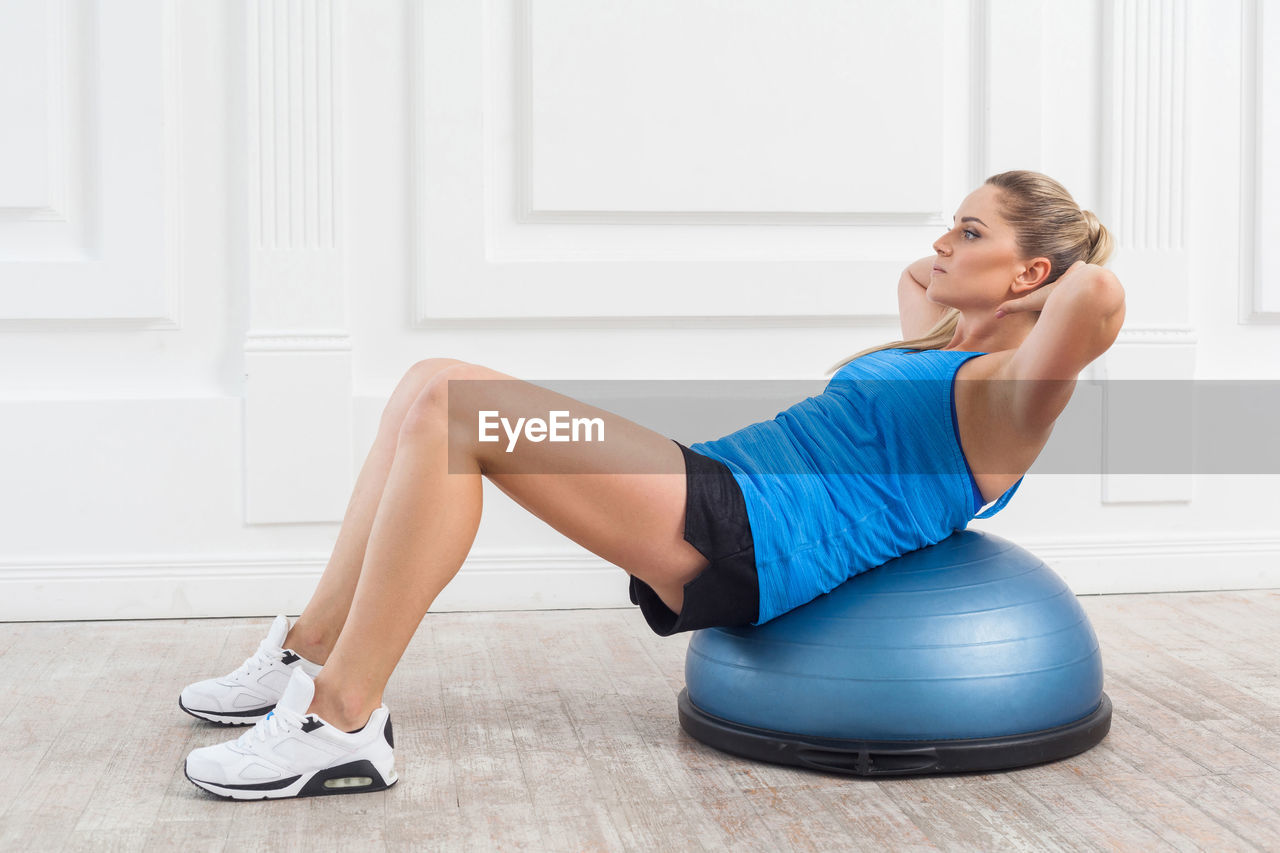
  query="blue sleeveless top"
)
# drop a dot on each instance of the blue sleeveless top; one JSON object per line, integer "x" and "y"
{"x": 866, "y": 471}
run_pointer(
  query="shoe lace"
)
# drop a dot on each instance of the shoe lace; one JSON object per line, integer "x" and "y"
{"x": 275, "y": 724}
{"x": 259, "y": 659}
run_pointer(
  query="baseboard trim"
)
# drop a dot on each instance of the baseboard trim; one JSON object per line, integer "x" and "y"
{"x": 1169, "y": 564}
{"x": 185, "y": 586}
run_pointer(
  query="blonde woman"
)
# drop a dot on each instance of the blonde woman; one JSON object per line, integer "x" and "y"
{"x": 1014, "y": 290}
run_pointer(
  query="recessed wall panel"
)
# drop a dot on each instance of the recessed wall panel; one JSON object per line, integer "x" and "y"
{"x": 88, "y": 162}
{"x": 673, "y": 105}
{"x": 765, "y": 159}
{"x": 27, "y": 106}
{"x": 1266, "y": 234}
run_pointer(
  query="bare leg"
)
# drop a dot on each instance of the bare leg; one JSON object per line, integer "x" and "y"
{"x": 315, "y": 632}
{"x": 430, "y": 512}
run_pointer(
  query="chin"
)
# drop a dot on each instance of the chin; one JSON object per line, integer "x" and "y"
{"x": 932, "y": 296}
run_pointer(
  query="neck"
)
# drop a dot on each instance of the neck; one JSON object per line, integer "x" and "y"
{"x": 989, "y": 334}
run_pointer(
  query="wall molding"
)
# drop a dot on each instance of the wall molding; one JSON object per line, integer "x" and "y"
{"x": 1259, "y": 301}
{"x": 1158, "y": 336}
{"x": 103, "y": 248}
{"x": 293, "y": 118}
{"x": 1145, "y": 115}
{"x": 1143, "y": 177}
{"x": 1143, "y": 153}
{"x": 270, "y": 341}
{"x": 297, "y": 351}
{"x": 860, "y": 218}
{"x": 195, "y": 586}
{"x": 522, "y": 48}
{"x": 475, "y": 221}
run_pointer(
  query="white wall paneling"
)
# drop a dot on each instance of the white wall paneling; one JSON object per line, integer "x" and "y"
{"x": 88, "y": 206}
{"x": 197, "y": 585}
{"x": 1143, "y": 176}
{"x": 215, "y": 301}
{"x": 187, "y": 585}
{"x": 1260, "y": 175}
{"x": 1143, "y": 168}
{"x": 159, "y": 466}
{"x": 565, "y": 152}
{"x": 1012, "y": 41}
{"x": 1144, "y": 156}
{"x": 297, "y": 352}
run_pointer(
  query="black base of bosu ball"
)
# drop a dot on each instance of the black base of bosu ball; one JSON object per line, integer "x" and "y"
{"x": 896, "y": 757}
{"x": 968, "y": 655}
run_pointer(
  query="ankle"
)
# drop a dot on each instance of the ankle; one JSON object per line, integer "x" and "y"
{"x": 344, "y": 711}
{"x": 312, "y": 645}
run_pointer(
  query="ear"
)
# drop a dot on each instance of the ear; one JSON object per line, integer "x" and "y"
{"x": 1033, "y": 275}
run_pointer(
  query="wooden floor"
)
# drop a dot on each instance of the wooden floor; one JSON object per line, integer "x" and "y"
{"x": 558, "y": 731}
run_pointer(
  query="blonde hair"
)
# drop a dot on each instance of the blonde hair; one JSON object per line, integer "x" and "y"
{"x": 1047, "y": 223}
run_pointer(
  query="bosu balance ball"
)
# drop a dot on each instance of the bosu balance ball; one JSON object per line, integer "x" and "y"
{"x": 970, "y": 654}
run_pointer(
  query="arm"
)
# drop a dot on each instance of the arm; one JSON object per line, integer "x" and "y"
{"x": 1080, "y": 319}
{"x": 917, "y": 313}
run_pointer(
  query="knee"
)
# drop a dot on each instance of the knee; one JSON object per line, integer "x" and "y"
{"x": 415, "y": 379}
{"x": 430, "y": 412}
{"x": 421, "y": 373}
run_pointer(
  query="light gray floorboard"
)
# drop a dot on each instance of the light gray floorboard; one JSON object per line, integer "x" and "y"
{"x": 557, "y": 730}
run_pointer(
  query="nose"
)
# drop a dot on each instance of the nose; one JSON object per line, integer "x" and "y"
{"x": 941, "y": 246}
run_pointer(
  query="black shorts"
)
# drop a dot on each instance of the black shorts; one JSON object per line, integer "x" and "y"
{"x": 727, "y": 592}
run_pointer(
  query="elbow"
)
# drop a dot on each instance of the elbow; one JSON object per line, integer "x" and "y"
{"x": 1111, "y": 302}
{"x": 1107, "y": 293}
{"x": 1116, "y": 319}
{"x": 1107, "y": 305}
{"x": 1098, "y": 307}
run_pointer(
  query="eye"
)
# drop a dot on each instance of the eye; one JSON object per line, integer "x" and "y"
{"x": 969, "y": 231}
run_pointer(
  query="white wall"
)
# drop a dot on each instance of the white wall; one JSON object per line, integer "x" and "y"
{"x": 226, "y": 229}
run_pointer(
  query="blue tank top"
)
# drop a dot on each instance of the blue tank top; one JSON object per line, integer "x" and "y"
{"x": 866, "y": 471}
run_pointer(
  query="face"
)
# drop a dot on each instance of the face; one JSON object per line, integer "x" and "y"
{"x": 978, "y": 259}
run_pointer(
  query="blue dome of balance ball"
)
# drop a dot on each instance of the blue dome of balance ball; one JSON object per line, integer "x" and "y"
{"x": 970, "y": 654}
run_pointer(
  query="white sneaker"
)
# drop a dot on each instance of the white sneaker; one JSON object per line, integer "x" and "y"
{"x": 291, "y": 753}
{"x": 248, "y": 694}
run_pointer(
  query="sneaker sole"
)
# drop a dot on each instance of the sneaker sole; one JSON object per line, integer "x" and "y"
{"x": 357, "y": 777}
{"x": 236, "y": 718}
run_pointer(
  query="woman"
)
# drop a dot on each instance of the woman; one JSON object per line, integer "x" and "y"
{"x": 1014, "y": 291}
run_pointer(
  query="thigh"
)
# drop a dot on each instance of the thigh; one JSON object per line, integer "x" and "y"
{"x": 620, "y": 495}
